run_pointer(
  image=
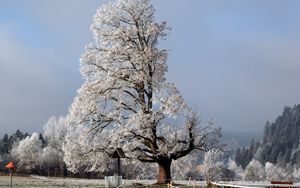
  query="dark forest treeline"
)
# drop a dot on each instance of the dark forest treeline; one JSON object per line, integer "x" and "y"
{"x": 6, "y": 143}
{"x": 280, "y": 142}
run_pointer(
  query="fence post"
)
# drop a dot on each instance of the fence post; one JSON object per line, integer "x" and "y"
{"x": 10, "y": 174}
{"x": 194, "y": 184}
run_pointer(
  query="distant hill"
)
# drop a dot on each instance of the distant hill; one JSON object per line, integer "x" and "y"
{"x": 280, "y": 141}
{"x": 242, "y": 138}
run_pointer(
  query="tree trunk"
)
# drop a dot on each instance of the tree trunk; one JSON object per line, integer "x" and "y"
{"x": 164, "y": 174}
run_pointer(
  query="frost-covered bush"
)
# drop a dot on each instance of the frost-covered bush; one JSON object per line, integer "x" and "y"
{"x": 254, "y": 171}
{"x": 42, "y": 153}
{"x": 27, "y": 152}
{"x": 238, "y": 170}
{"x": 54, "y": 134}
{"x": 274, "y": 172}
{"x": 212, "y": 166}
{"x": 183, "y": 166}
{"x": 296, "y": 174}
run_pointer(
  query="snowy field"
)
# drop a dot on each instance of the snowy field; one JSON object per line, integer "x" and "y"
{"x": 251, "y": 184}
{"x": 51, "y": 182}
{"x": 44, "y": 182}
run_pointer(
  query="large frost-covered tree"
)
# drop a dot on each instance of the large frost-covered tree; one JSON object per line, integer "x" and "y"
{"x": 125, "y": 100}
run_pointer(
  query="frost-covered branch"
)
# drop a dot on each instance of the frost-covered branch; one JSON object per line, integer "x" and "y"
{"x": 125, "y": 100}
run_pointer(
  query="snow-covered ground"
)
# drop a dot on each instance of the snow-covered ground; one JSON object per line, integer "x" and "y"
{"x": 47, "y": 182}
{"x": 251, "y": 184}
{"x": 51, "y": 182}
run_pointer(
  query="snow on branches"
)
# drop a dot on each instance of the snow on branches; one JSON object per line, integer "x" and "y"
{"x": 125, "y": 100}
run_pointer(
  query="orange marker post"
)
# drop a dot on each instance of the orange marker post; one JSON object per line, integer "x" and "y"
{"x": 10, "y": 166}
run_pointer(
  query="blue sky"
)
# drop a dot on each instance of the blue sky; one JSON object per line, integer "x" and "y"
{"x": 236, "y": 61}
